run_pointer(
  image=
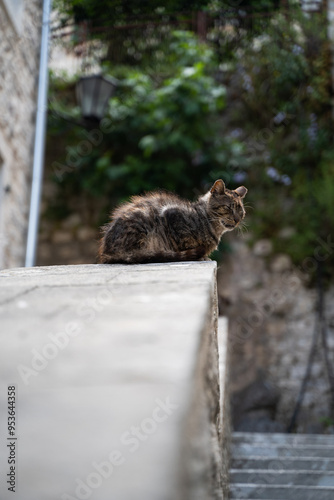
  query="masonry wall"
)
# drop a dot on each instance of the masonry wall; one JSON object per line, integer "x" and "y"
{"x": 121, "y": 381}
{"x": 20, "y": 28}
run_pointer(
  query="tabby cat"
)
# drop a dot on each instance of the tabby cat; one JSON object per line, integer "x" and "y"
{"x": 161, "y": 227}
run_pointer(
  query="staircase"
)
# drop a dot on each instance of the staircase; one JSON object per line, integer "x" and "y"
{"x": 282, "y": 466}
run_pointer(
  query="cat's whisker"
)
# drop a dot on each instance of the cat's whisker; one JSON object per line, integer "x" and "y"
{"x": 243, "y": 227}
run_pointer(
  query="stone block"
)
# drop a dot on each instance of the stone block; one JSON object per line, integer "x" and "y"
{"x": 62, "y": 237}
{"x": 19, "y": 61}
{"x": 263, "y": 248}
{"x": 116, "y": 377}
{"x": 87, "y": 233}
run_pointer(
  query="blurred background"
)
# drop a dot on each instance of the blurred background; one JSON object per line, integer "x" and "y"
{"x": 174, "y": 95}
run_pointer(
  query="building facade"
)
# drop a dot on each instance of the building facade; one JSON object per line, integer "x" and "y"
{"x": 20, "y": 38}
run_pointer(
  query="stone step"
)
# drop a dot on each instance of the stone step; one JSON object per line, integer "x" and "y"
{"x": 292, "y": 477}
{"x": 281, "y": 464}
{"x": 282, "y": 467}
{"x": 281, "y": 451}
{"x": 287, "y": 492}
{"x": 278, "y": 438}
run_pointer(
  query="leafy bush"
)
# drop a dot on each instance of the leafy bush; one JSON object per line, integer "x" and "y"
{"x": 163, "y": 132}
{"x": 285, "y": 87}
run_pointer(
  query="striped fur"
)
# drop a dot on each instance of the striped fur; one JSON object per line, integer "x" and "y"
{"x": 161, "y": 227}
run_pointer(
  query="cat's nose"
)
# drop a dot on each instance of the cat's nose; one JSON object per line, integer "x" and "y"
{"x": 237, "y": 219}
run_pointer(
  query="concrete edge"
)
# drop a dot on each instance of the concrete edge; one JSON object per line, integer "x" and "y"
{"x": 225, "y": 418}
{"x": 201, "y": 473}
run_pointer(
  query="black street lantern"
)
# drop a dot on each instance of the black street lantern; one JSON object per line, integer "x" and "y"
{"x": 93, "y": 93}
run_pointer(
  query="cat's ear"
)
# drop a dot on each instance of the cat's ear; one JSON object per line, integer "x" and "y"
{"x": 218, "y": 187}
{"x": 241, "y": 191}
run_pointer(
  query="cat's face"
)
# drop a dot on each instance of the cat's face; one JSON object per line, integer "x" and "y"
{"x": 226, "y": 206}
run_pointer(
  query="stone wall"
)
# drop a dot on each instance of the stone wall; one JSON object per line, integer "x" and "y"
{"x": 72, "y": 240}
{"x": 271, "y": 306}
{"x": 20, "y": 30}
{"x": 121, "y": 372}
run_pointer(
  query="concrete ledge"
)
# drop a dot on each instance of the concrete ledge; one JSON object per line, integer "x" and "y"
{"x": 225, "y": 413}
{"x": 116, "y": 379}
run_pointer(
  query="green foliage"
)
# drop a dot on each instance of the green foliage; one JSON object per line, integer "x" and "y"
{"x": 286, "y": 92}
{"x": 132, "y": 32}
{"x": 111, "y": 12}
{"x": 327, "y": 421}
{"x": 162, "y": 133}
{"x": 287, "y": 68}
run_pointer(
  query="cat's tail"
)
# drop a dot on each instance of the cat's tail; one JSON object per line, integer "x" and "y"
{"x": 158, "y": 257}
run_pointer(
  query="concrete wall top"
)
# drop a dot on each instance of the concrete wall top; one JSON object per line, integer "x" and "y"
{"x": 110, "y": 367}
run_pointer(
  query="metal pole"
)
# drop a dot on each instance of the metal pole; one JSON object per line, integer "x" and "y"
{"x": 37, "y": 175}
